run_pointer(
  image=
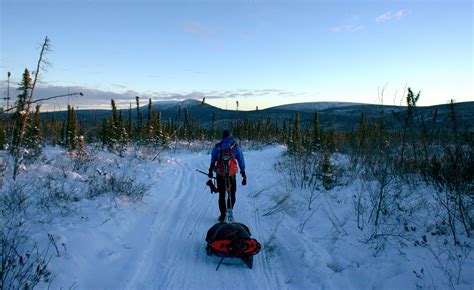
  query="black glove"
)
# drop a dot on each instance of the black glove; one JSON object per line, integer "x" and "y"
{"x": 211, "y": 170}
{"x": 244, "y": 178}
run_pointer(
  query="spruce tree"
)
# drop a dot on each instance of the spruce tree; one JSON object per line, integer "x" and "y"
{"x": 104, "y": 134}
{"x": 169, "y": 127}
{"x": 307, "y": 140}
{"x": 62, "y": 134}
{"x": 114, "y": 113}
{"x": 67, "y": 129}
{"x": 213, "y": 126}
{"x": 296, "y": 142}
{"x": 316, "y": 132}
{"x": 130, "y": 122}
{"x": 283, "y": 137}
{"x": 268, "y": 128}
{"x": 327, "y": 171}
{"x": 24, "y": 87}
{"x": 149, "y": 123}
{"x": 121, "y": 124}
{"x": 33, "y": 134}
{"x": 157, "y": 128}
{"x": 72, "y": 129}
{"x": 121, "y": 134}
{"x": 411, "y": 99}
{"x": 330, "y": 140}
{"x": 114, "y": 132}
{"x": 362, "y": 133}
{"x": 75, "y": 128}
{"x": 139, "y": 119}
{"x": 186, "y": 125}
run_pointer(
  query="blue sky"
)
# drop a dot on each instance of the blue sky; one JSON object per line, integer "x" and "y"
{"x": 261, "y": 53}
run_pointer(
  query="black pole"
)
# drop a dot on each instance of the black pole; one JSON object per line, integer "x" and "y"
{"x": 200, "y": 171}
{"x": 220, "y": 262}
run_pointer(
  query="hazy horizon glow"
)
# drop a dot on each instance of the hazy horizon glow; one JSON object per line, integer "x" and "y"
{"x": 260, "y": 53}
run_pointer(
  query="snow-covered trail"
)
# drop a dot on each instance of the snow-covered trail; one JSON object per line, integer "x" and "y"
{"x": 160, "y": 243}
{"x": 172, "y": 246}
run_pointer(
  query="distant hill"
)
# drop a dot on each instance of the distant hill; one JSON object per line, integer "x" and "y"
{"x": 338, "y": 115}
{"x": 170, "y": 105}
{"x": 313, "y": 106}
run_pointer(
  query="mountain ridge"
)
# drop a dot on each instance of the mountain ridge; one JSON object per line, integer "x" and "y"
{"x": 338, "y": 115}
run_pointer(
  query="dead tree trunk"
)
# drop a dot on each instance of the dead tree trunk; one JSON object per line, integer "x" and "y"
{"x": 24, "y": 116}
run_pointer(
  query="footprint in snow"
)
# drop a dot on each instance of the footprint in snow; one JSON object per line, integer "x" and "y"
{"x": 108, "y": 255}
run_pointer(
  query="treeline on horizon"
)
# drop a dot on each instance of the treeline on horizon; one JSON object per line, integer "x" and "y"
{"x": 146, "y": 127}
{"x": 123, "y": 127}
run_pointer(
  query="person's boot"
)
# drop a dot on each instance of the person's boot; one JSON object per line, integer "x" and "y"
{"x": 221, "y": 218}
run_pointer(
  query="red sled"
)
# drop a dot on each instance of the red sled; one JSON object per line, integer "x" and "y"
{"x": 232, "y": 240}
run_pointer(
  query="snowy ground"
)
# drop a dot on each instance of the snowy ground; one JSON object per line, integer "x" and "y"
{"x": 158, "y": 243}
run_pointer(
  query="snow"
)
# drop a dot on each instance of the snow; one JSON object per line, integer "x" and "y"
{"x": 110, "y": 242}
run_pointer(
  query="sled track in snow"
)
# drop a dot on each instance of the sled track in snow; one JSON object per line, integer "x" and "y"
{"x": 173, "y": 251}
{"x": 146, "y": 261}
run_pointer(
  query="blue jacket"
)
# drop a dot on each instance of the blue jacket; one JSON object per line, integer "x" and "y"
{"x": 224, "y": 144}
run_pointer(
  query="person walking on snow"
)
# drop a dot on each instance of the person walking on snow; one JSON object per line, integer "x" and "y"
{"x": 224, "y": 158}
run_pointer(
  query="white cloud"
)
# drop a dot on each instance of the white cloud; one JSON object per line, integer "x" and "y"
{"x": 347, "y": 28}
{"x": 97, "y": 98}
{"x": 389, "y": 15}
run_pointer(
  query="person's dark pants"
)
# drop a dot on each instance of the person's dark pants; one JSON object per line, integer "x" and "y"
{"x": 222, "y": 182}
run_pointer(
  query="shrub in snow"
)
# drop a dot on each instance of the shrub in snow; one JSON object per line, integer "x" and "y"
{"x": 121, "y": 185}
{"x": 310, "y": 173}
{"x": 128, "y": 187}
{"x": 449, "y": 258}
{"x": 82, "y": 159}
{"x": 453, "y": 177}
{"x": 59, "y": 194}
{"x": 24, "y": 265}
{"x": 13, "y": 199}
{"x": 327, "y": 172}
